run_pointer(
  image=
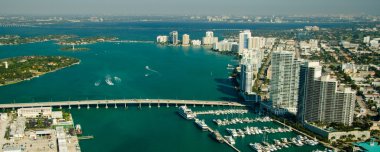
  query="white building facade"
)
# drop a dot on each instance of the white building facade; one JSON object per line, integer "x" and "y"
{"x": 284, "y": 83}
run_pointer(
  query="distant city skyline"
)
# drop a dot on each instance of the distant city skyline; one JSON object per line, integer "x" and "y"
{"x": 193, "y": 7}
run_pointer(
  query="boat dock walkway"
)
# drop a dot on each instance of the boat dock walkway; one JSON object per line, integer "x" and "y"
{"x": 85, "y": 137}
{"x": 225, "y": 141}
{"x": 119, "y": 102}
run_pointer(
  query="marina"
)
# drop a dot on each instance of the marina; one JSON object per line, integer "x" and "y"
{"x": 255, "y": 131}
{"x": 240, "y": 128}
{"x": 224, "y": 122}
{"x": 221, "y": 112}
{"x": 282, "y": 143}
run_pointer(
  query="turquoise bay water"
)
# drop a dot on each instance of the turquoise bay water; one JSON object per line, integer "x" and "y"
{"x": 142, "y": 130}
{"x": 138, "y": 70}
{"x": 173, "y": 72}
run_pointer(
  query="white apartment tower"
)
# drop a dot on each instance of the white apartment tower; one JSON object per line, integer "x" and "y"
{"x": 209, "y": 34}
{"x": 209, "y": 39}
{"x": 320, "y": 99}
{"x": 6, "y": 65}
{"x": 162, "y": 39}
{"x": 246, "y": 78}
{"x": 244, "y": 37}
{"x": 173, "y": 37}
{"x": 366, "y": 39}
{"x": 284, "y": 82}
{"x": 250, "y": 65}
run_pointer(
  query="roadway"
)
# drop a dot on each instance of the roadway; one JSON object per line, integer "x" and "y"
{"x": 120, "y": 102}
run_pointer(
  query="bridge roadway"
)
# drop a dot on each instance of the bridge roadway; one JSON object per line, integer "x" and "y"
{"x": 122, "y": 102}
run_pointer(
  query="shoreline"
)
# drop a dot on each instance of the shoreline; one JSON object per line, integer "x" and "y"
{"x": 36, "y": 76}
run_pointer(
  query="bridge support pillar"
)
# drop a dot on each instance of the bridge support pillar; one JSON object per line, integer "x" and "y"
{"x": 78, "y": 106}
{"x": 212, "y": 105}
{"x": 167, "y": 105}
{"x": 97, "y": 106}
{"x": 115, "y": 106}
{"x": 176, "y": 105}
{"x": 69, "y": 107}
{"x": 194, "y": 105}
{"x": 150, "y": 105}
{"x": 88, "y": 106}
{"x": 158, "y": 105}
{"x": 106, "y": 106}
{"x": 125, "y": 105}
{"x": 139, "y": 105}
{"x": 203, "y": 105}
{"x": 60, "y": 107}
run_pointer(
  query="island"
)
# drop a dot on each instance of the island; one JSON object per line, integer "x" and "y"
{"x": 17, "y": 69}
{"x": 70, "y": 44}
{"x": 67, "y": 42}
{"x": 17, "y": 40}
{"x": 86, "y": 40}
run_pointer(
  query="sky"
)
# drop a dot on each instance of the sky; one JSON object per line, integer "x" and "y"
{"x": 189, "y": 7}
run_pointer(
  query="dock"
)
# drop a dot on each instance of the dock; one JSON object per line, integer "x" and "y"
{"x": 225, "y": 141}
{"x": 85, "y": 137}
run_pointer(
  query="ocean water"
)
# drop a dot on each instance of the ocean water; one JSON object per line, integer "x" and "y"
{"x": 134, "y": 71}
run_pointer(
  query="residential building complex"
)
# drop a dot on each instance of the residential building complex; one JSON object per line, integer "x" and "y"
{"x": 209, "y": 39}
{"x": 173, "y": 38}
{"x": 284, "y": 82}
{"x": 321, "y": 99}
{"x": 244, "y": 37}
{"x": 185, "y": 40}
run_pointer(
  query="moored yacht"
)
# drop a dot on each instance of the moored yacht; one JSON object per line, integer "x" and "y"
{"x": 186, "y": 112}
{"x": 201, "y": 124}
{"x": 230, "y": 140}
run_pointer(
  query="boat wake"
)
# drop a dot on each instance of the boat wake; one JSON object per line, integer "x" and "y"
{"x": 151, "y": 70}
{"x": 108, "y": 80}
{"x": 112, "y": 80}
{"x": 97, "y": 83}
{"x": 117, "y": 79}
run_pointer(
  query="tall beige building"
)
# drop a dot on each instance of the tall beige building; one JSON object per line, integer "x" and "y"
{"x": 185, "y": 40}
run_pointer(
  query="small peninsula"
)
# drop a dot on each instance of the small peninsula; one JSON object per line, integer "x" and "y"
{"x": 73, "y": 48}
{"x": 17, "y": 40}
{"x": 17, "y": 69}
{"x": 86, "y": 40}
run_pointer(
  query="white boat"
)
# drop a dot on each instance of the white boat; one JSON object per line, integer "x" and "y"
{"x": 232, "y": 132}
{"x": 186, "y": 112}
{"x": 256, "y": 146}
{"x": 248, "y": 131}
{"x": 78, "y": 129}
{"x": 201, "y": 124}
{"x": 230, "y": 140}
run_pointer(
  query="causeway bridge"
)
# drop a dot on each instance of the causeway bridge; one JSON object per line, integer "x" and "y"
{"x": 120, "y": 103}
